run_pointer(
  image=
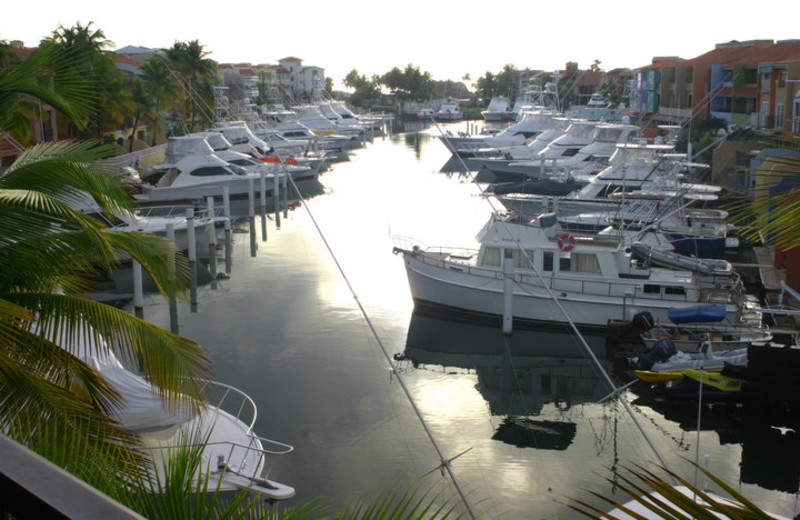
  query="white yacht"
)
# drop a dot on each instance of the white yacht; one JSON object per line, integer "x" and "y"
{"x": 534, "y": 271}
{"x": 587, "y": 160}
{"x": 449, "y": 111}
{"x": 632, "y": 168}
{"x": 498, "y": 110}
{"x": 193, "y": 171}
{"x": 233, "y": 455}
{"x": 517, "y": 134}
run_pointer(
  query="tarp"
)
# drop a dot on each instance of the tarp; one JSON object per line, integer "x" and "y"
{"x": 697, "y": 313}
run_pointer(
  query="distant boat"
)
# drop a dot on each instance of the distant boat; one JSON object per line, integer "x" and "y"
{"x": 449, "y": 111}
{"x": 498, "y": 110}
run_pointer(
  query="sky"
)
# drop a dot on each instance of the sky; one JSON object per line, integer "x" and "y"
{"x": 448, "y": 39}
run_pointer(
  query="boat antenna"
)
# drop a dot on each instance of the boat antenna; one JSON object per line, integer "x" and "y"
{"x": 616, "y": 392}
{"x": 444, "y": 462}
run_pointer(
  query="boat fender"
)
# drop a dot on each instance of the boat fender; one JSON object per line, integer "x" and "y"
{"x": 566, "y": 242}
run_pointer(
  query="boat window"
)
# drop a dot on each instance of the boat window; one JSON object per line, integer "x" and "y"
{"x": 238, "y": 170}
{"x": 491, "y": 256}
{"x": 547, "y": 261}
{"x": 523, "y": 261}
{"x": 584, "y": 263}
{"x": 569, "y": 152}
{"x": 578, "y": 263}
{"x": 244, "y": 161}
{"x": 652, "y": 289}
{"x": 674, "y": 290}
{"x": 208, "y": 171}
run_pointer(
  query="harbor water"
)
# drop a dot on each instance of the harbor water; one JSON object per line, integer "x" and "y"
{"x": 311, "y": 320}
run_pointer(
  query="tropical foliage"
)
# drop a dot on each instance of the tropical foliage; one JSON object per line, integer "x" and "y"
{"x": 501, "y": 84}
{"x": 196, "y": 73}
{"x": 49, "y": 250}
{"x": 655, "y": 497}
{"x": 773, "y": 213}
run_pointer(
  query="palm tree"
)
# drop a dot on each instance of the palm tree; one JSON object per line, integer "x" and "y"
{"x": 159, "y": 90}
{"x": 197, "y": 71}
{"x": 52, "y": 75}
{"x": 112, "y": 102}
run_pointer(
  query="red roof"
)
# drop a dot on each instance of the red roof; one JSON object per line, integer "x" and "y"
{"x": 734, "y": 53}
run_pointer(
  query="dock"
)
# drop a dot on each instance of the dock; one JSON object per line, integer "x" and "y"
{"x": 774, "y": 296}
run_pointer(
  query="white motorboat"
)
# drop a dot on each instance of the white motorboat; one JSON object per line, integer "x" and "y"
{"x": 518, "y": 134}
{"x": 293, "y": 129}
{"x": 242, "y": 139}
{"x": 564, "y": 139}
{"x": 688, "y": 329}
{"x": 233, "y": 455}
{"x": 587, "y": 160}
{"x": 536, "y": 272}
{"x": 449, "y": 111}
{"x": 197, "y": 174}
{"x": 426, "y": 114}
{"x": 498, "y": 110}
{"x": 326, "y": 123}
{"x": 632, "y": 168}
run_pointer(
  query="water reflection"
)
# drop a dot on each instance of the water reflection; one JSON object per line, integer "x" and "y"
{"x": 770, "y": 455}
{"x": 532, "y": 373}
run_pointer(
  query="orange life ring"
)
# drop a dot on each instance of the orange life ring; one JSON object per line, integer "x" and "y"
{"x": 566, "y": 242}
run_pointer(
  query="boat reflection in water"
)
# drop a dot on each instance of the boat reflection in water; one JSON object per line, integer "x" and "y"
{"x": 770, "y": 456}
{"x": 518, "y": 375}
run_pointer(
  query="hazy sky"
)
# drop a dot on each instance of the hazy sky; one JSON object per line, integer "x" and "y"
{"x": 446, "y": 38}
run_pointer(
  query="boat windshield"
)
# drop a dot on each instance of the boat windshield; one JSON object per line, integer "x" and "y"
{"x": 238, "y": 170}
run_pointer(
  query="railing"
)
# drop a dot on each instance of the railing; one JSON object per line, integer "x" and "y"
{"x": 232, "y": 401}
{"x": 33, "y": 487}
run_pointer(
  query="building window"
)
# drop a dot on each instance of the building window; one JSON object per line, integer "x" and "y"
{"x": 765, "y": 82}
{"x": 796, "y": 116}
{"x": 780, "y": 112}
{"x": 782, "y": 79}
{"x": 764, "y": 113}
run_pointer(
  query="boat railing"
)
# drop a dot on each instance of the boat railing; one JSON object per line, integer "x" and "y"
{"x": 235, "y": 403}
{"x": 179, "y": 210}
{"x": 231, "y": 400}
{"x": 248, "y": 461}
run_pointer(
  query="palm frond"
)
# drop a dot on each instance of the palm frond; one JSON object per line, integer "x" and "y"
{"x": 659, "y": 498}
{"x": 175, "y": 365}
{"x": 52, "y": 74}
{"x": 419, "y": 498}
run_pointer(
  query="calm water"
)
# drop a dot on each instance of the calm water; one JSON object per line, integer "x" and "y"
{"x": 286, "y": 329}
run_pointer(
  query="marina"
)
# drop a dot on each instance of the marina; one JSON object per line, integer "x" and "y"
{"x": 535, "y": 427}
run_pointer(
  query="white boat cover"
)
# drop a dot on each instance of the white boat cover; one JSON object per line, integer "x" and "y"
{"x": 141, "y": 409}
